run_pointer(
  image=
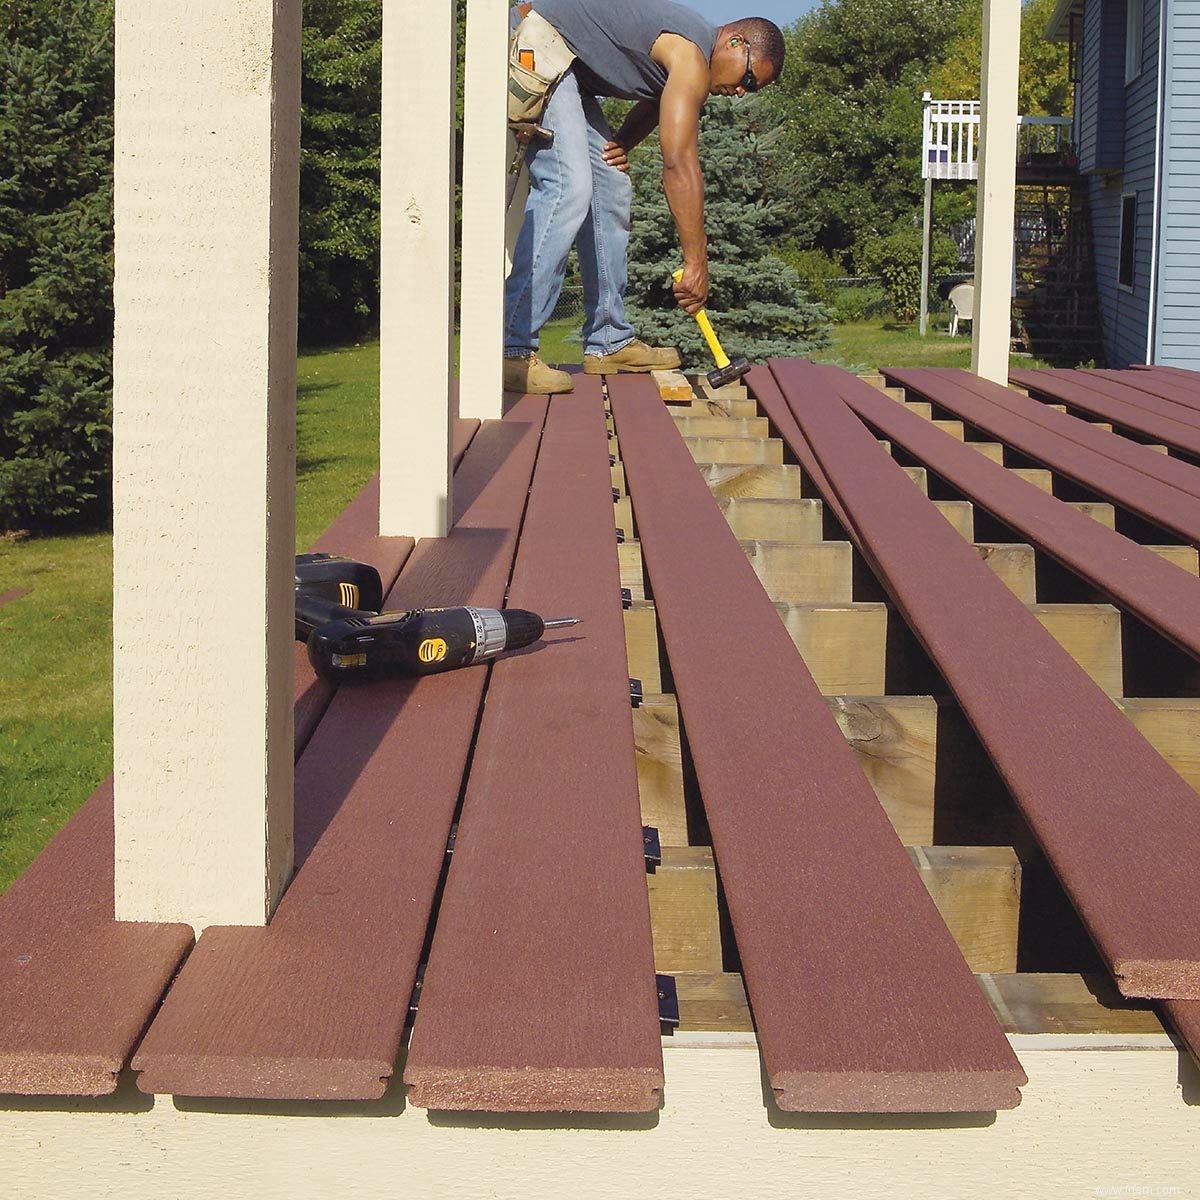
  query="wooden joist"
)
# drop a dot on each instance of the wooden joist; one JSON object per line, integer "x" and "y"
{"x": 540, "y": 993}
{"x": 314, "y": 1005}
{"x": 1132, "y": 576}
{"x": 1076, "y": 767}
{"x": 1144, "y": 488}
{"x": 861, "y": 999}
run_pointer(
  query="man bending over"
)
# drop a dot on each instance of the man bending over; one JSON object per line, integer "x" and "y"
{"x": 669, "y": 60}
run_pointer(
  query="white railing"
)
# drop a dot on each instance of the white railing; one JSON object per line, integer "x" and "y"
{"x": 950, "y": 141}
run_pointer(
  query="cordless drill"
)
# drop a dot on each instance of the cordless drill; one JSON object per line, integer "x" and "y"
{"x": 347, "y": 643}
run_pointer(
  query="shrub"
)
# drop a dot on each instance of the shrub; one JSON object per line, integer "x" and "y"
{"x": 896, "y": 258}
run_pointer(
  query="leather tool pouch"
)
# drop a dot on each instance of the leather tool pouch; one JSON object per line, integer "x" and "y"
{"x": 538, "y": 58}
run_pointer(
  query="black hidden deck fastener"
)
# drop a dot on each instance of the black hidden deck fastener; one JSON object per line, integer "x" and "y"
{"x": 636, "y": 694}
{"x": 668, "y": 1001}
{"x": 626, "y": 598}
{"x": 651, "y": 846}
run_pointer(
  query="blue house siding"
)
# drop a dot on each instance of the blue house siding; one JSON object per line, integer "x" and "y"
{"x": 1124, "y": 313}
{"x": 1102, "y": 109}
{"x": 1177, "y": 336}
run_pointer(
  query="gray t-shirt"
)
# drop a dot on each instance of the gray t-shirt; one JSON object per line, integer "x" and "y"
{"x": 612, "y": 39}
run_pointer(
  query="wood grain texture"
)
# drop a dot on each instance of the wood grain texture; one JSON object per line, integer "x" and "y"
{"x": 313, "y": 1006}
{"x": 76, "y": 987}
{"x": 1077, "y": 768}
{"x": 1131, "y": 576}
{"x": 540, "y": 993}
{"x": 861, "y": 999}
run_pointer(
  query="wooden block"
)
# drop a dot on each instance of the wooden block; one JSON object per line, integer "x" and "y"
{"x": 1015, "y": 564}
{"x": 977, "y": 889}
{"x": 1184, "y": 557}
{"x": 875, "y": 379}
{"x": 1091, "y": 634}
{"x": 992, "y": 450}
{"x": 618, "y": 477}
{"x": 919, "y": 476}
{"x": 887, "y": 446}
{"x": 844, "y": 646}
{"x": 623, "y": 516}
{"x": 767, "y": 483}
{"x": 953, "y": 428}
{"x": 1156, "y": 448}
{"x": 660, "y": 768}
{"x": 641, "y": 641}
{"x": 751, "y": 451}
{"x": 1043, "y": 1003}
{"x": 895, "y": 741}
{"x": 731, "y": 391}
{"x": 804, "y": 573}
{"x": 1038, "y": 476}
{"x": 690, "y": 425}
{"x": 683, "y": 910}
{"x": 920, "y": 408}
{"x": 1062, "y": 408}
{"x": 614, "y": 448}
{"x": 672, "y": 385}
{"x": 712, "y": 1002}
{"x": 775, "y": 520}
{"x": 1017, "y": 388}
{"x": 1105, "y": 425}
{"x": 1172, "y": 727}
{"x": 1097, "y": 510}
{"x": 960, "y": 514}
{"x": 894, "y": 393}
{"x": 629, "y": 555}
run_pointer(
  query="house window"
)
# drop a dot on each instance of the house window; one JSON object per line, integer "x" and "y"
{"x": 1125, "y": 260}
{"x": 1134, "y": 10}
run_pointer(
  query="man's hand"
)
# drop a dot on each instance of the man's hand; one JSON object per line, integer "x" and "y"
{"x": 617, "y": 156}
{"x": 691, "y": 292}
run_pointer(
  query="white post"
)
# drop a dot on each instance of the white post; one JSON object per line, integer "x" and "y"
{"x": 485, "y": 167}
{"x": 926, "y": 252}
{"x": 416, "y": 279}
{"x": 207, "y": 178}
{"x": 991, "y": 334}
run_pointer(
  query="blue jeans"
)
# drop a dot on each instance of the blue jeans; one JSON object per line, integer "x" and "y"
{"x": 575, "y": 198}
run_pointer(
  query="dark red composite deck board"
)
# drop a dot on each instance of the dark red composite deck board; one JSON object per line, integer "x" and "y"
{"x": 1179, "y": 392}
{"x": 1132, "y": 488}
{"x": 1076, "y": 766}
{"x": 861, "y": 999}
{"x": 540, "y": 992}
{"x": 1133, "y": 577}
{"x": 77, "y": 987}
{"x": 314, "y": 1005}
{"x": 1150, "y": 416}
{"x": 355, "y": 534}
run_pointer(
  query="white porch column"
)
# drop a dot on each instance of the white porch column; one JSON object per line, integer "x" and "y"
{"x": 992, "y": 327}
{"x": 207, "y": 149}
{"x": 416, "y": 283}
{"x": 485, "y": 168}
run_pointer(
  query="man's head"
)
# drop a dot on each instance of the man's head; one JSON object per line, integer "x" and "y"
{"x": 748, "y": 56}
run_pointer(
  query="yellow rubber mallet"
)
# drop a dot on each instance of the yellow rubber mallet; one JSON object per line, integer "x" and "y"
{"x": 728, "y": 370}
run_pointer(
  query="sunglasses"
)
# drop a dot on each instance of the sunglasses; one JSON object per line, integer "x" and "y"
{"x": 749, "y": 83}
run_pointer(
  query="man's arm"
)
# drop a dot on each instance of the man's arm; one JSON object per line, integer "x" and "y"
{"x": 679, "y": 132}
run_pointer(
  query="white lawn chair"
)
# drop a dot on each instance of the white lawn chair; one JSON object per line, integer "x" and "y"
{"x": 962, "y": 305}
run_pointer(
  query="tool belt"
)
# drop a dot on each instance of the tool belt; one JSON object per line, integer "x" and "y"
{"x": 538, "y": 58}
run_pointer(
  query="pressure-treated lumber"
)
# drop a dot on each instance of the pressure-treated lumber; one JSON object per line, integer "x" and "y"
{"x": 658, "y": 741}
{"x": 77, "y": 987}
{"x": 1143, "y": 414}
{"x": 1078, "y": 770}
{"x": 1131, "y": 576}
{"x": 539, "y": 994}
{"x": 334, "y": 970}
{"x": 861, "y": 999}
{"x": 1106, "y": 470}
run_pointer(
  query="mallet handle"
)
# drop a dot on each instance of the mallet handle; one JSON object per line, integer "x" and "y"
{"x": 710, "y": 335}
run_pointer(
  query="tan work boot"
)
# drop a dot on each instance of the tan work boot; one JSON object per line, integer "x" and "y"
{"x": 637, "y": 356}
{"x": 530, "y": 376}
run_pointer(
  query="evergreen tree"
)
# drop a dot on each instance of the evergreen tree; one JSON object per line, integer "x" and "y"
{"x": 339, "y": 168}
{"x": 56, "y": 137}
{"x": 756, "y": 300}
